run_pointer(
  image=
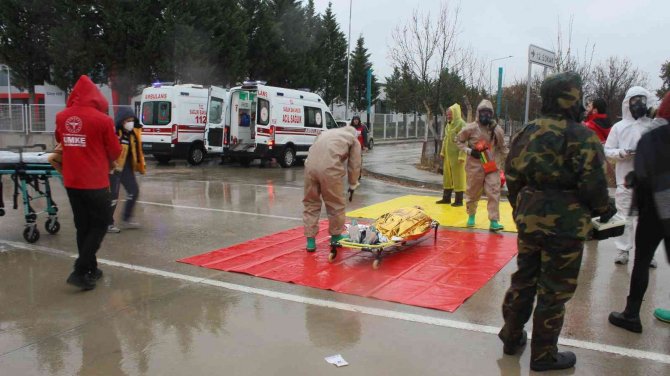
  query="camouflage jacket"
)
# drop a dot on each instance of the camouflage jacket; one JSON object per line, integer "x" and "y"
{"x": 556, "y": 178}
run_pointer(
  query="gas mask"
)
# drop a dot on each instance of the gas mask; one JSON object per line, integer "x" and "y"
{"x": 485, "y": 117}
{"x": 638, "y": 106}
{"x": 129, "y": 125}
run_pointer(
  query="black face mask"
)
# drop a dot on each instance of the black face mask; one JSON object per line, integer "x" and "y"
{"x": 638, "y": 110}
{"x": 485, "y": 118}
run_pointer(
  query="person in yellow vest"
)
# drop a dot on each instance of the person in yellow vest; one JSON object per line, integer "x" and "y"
{"x": 131, "y": 160}
{"x": 454, "y": 158}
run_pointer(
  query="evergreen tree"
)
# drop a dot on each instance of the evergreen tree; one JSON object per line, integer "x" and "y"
{"x": 332, "y": 51}
{"x": 24, "y": 39}
{"x": 359, "y": 65}
{"x": 76, "y": 46}
{"x": 665, "y": 76}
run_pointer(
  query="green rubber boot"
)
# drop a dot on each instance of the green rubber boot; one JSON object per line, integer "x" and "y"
{"x": 311, "y": 245}
{"x": 334, "y": 239}
{"x": 662, "y": 314}
{"x": 471, "y": 221}
{"x": 495, "y": 226}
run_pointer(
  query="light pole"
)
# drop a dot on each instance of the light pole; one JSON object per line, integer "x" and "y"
{"x": 9, "y": 92}
{"x": 346, "y": 105}
{"x": 491, "y": 68}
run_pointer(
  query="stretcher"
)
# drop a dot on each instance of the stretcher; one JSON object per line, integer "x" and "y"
{"x": 378, "y": 249}
{"x": 30, "y": 173}
{"x": 397, "y": 229}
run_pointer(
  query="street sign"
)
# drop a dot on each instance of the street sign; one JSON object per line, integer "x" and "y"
{"x": 541, "y": 56}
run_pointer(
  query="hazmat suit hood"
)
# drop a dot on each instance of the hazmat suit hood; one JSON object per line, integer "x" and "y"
{"x": 484, "y": 104}
{"x": 562, "y": 95}
{"x": 456, "y": 113}
{"x": 86, "y": 94}
{"x": 350, "y": 129}
{"x": 625, "y": 105}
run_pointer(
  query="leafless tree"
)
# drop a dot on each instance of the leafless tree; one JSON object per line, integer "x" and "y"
{"x": 569, "y": 59}
{"x": 429, "y": 46}
{"x": 612, "y": 79}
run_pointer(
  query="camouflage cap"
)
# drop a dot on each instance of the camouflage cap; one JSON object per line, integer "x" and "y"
{"x": 561, "y": 93}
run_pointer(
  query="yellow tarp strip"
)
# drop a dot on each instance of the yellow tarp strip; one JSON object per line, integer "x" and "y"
{"x": 447, "y": 215}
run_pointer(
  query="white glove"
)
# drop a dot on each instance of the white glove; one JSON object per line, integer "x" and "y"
{"x": 626, "y": 154}
{"x": 353, "y": 187}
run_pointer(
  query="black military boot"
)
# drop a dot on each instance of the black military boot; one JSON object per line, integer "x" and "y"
{"x": 626, "y": 321}
{"x": 446, "y": 197}
{"x": 458, "y": 201}
{"x": 564, "y": 360}
{"x": 511, "y": 347}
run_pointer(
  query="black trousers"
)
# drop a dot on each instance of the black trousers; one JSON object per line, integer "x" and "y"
{"x": 648, "y": 236}
{"x": 125, "y": 178}
{"x": 90, "y": 208}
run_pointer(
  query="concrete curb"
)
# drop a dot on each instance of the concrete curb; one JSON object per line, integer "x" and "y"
{"x": 403, "y": 181}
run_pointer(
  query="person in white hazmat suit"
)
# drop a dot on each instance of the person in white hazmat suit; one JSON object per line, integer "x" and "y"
{"x": 324, "y": 178}
{"x": 620, "y": 148}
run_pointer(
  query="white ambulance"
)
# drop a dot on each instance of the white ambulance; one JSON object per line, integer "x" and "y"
{"x": 173, "y": 119}
{"x": 271, "y": 122}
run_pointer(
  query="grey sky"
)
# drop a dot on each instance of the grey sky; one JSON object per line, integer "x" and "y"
{"x": 634, "y": 29}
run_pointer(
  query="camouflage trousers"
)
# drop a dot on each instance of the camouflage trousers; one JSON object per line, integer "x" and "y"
{"x": 548, "y": 267}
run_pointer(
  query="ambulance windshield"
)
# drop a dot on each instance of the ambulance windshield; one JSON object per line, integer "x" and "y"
{"x": 156, "y": 113}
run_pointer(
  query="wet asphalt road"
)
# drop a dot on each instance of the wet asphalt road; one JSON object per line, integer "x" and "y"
{"x": 151, "y": 315}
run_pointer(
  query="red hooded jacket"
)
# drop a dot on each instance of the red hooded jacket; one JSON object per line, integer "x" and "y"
{"x": 86, "y": 134}
{"x": 600, "y": 124}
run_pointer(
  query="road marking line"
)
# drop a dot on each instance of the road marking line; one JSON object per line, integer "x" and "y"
{"x": 220, "y": 210}
{"x": 411, "y": 317}
{"x": 232, "y": 182}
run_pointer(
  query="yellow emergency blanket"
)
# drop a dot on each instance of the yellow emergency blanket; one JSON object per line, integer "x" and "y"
{"x": 446, "y": 215}
{"x": 408, "y": 223}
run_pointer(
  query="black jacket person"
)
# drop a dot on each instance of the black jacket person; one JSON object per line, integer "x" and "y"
{"x": 556, "y": 180}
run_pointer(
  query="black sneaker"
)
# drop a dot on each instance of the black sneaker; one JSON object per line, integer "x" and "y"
{"x": 84, "y": 282}
{"x": 620, "y": 319}
{"x": 511, "y": 348}
{"x": 564, "y": 360}
{"x": 97, "y": 274}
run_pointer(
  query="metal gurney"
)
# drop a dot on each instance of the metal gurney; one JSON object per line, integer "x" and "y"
{"x": 30, "y": 172}
{"x": 399, "y": 228}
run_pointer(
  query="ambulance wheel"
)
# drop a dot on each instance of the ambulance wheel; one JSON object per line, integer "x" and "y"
{"x": 31, "y": 234}
{"x": 162, "y": 158}
{"x": 287, "y": 158}
{"x": 52, "y": 226}
{"x": 196, "y": 154}
{"x": 375, "y": 264}
{"x": 332, "y": 255}
{"x": 2, "y": 212}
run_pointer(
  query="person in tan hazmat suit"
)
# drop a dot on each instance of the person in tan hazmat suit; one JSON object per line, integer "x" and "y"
{"x": 482, "y": 136}
{"x": 324, "y": 177}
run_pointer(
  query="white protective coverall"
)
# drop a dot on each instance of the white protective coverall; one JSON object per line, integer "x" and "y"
{"x": 477, "y": 180}
{"x": 624, "y": 136}
{"x": 324, "y": 175}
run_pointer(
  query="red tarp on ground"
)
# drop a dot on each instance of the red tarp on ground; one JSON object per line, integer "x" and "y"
{"x": 438, "y": 275}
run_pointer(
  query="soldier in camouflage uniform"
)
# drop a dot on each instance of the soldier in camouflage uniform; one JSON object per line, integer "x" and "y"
{"x": 556, "y": 181}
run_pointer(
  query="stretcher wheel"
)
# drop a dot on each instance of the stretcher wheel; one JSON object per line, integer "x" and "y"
{"x": 332, "y": 255}
{"x": 52, "y": 226}
{"x": 31, "y": 234}
{"x": 375, "y": 264}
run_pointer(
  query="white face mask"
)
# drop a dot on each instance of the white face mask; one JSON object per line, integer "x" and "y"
{"x": 128, "y": 126}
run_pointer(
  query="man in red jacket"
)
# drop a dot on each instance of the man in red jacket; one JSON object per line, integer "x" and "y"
{"x": 86, "y": 134}
{"x": 597, "y": 119}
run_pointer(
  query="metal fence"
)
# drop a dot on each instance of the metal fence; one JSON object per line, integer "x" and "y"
{"x": 404, "y": 126}
{"x": 34, "y": 118}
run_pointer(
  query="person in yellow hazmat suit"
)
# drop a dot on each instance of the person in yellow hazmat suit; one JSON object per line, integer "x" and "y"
{"x": 334, "y": 154}
{"x": 454, "y": 158}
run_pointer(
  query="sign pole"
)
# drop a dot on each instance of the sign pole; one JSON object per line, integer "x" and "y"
{"x": 525, "y": 116}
